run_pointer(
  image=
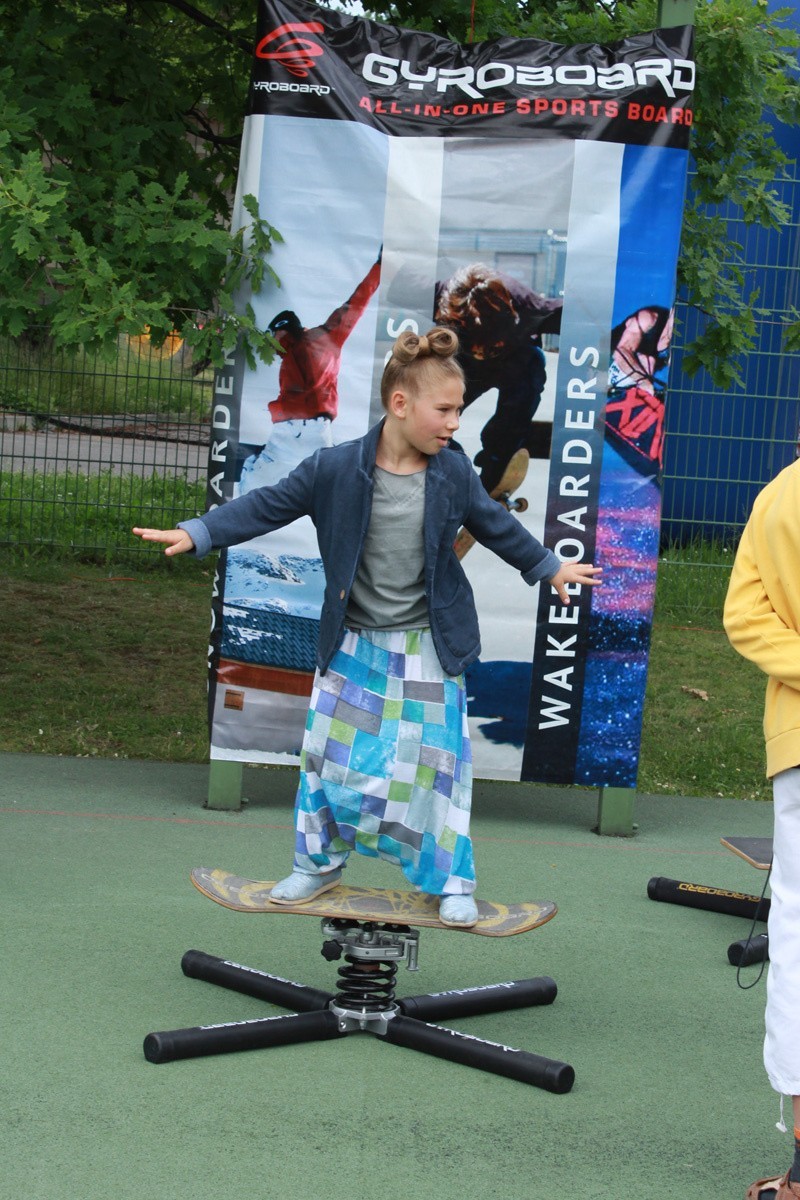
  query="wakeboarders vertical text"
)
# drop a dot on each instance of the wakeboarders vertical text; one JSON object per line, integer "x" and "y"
{"x": 562, "y": 630}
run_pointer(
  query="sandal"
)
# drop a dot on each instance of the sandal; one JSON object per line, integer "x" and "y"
{"x": 773, "y": 1189}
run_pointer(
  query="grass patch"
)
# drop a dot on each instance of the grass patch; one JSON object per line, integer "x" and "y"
{"x": 692, "y": 582}
{"x": 66, "y": 513}
{"x": 702, "y": 732}
{"x": 110, "y": 663}
{"x": 37, "y": 379}
{"x": 105, "y": 664}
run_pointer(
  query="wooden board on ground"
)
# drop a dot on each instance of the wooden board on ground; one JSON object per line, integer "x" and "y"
{"x": 755, "y": 850}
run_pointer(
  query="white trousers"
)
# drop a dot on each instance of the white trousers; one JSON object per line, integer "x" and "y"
{"x": 288, "y": 443}
{"x": 782, "y": 1042}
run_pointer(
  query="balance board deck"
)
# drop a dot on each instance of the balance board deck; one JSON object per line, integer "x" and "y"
{"x": 369, "y": 904}
{"x": 755, "y": 850}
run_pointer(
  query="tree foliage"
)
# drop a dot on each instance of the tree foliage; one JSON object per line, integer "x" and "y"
{"x": 118, "y": 161}
{"x": 119, "y": 149}
{"x": 747, "y": 72}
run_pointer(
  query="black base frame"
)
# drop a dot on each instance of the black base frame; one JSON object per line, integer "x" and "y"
{"x": 365, "y": 1003}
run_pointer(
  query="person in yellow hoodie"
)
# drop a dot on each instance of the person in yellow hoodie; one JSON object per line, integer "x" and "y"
{"x": 762, "y": 621}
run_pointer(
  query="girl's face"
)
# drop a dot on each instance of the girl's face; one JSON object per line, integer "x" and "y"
{"x": 430, "y": 416}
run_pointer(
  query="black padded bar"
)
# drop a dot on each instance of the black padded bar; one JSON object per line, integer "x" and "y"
{"x": 545, "y": 1073}
{"x": 712, "y": 899}
{"x": 285, "y": 1030}
{"x": 251, "y": 982}
{"x": 472, "y": 1001}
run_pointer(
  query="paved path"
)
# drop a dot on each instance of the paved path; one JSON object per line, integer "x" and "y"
{"x": 53, "y": 450}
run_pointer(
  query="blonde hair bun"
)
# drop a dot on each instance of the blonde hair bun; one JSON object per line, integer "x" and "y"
{"x": 436, "y": 343}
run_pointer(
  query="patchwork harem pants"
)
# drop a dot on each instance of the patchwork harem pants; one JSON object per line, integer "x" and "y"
{"x": 386, "y": 765}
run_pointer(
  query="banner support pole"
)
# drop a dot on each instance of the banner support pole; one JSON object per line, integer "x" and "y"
{"x": 225, "y": 785}
{"x": 615, "y": 812}
{"x": 615, "y": 805}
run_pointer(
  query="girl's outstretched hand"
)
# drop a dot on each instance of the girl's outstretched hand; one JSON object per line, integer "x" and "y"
{"x": 582, "y": 573}
{"x": 176, "y": 541}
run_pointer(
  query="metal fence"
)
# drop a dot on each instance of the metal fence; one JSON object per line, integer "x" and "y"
{"x": 90, "y": 446}
{"x": 722, "y": 447}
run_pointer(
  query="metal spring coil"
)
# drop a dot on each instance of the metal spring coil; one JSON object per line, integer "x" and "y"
{"x": 366, "y": 986}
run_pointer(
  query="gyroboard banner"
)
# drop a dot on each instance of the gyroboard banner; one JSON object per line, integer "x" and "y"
{"x": 530, "y": 196}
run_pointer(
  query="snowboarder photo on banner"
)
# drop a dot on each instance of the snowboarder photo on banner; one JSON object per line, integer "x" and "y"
{"x": 308, "y": 394}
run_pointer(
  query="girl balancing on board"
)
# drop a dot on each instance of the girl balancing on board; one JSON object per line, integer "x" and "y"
{"x": 385, "y": 767}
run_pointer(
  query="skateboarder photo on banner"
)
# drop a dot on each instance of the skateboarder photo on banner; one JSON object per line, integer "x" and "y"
{"x": 499, "y": 322}
{"x": 385, "y": 766}
{"x": 762, "y": 621}
{"x": 308, "y": 394}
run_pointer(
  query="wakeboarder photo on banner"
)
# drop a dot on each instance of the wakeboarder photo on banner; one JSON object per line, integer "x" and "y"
{"x": 630, "y": 486}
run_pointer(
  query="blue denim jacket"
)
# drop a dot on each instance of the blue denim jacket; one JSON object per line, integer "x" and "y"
{"x": 334, "y": 487}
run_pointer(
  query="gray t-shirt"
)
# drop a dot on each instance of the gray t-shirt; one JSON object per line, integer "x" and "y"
{"x": 389, "y": 588}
